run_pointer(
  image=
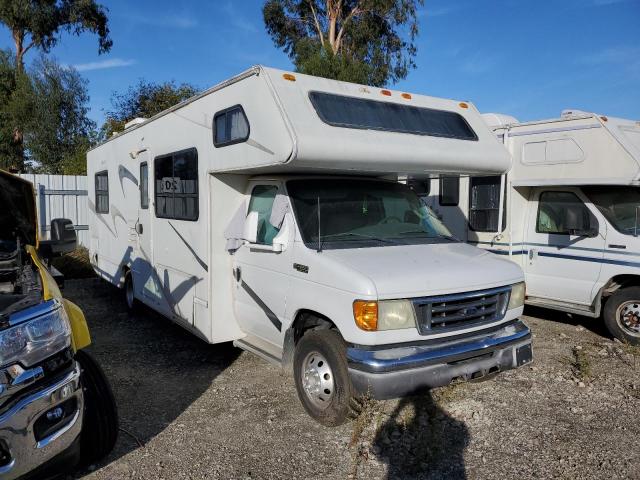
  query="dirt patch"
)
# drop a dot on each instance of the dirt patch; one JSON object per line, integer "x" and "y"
{"x": 192, "y": 410}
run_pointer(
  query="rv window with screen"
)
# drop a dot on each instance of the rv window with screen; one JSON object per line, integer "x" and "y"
{"x": 262, "y": 198}
{"x": 176, "y": 185}
{"x": 449, "y": 191}
{"x": 144, "y": 185}
{"x": 351, "y": 112}
{"x": 102, "y": 192}
{"x": 484, "y": 204}
{"x": 230, "y": 126}
{"x": 554, "y": 209}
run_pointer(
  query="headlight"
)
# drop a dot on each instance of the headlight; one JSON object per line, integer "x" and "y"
{"x": 516, "y": 300}
{"x": 384, "y": 315}
{"x": 35, "y": 340}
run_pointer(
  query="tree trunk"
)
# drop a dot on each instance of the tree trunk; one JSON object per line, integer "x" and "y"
{"x": 18, "y": 136}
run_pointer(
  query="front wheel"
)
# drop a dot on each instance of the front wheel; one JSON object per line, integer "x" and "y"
{"x": 100, "y": 424}
{"x": 322, "y": 377}
{"x": 622, "y": 315}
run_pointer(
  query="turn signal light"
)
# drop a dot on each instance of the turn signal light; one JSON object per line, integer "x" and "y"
{"x": 365, "y": 313}
{"x": 289, "y": 76}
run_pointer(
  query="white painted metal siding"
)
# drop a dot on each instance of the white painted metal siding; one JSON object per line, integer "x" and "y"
{"x": 61, "y": 196}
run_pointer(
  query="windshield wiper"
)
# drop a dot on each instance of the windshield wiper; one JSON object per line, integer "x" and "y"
{"x": 359, "y": 235}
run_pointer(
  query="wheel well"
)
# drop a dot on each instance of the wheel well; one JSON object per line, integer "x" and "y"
{"x": 618, "y": 282}
{"x": 305, "y": 320}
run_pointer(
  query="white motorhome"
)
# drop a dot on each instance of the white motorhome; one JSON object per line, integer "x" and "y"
{"x": 265, "y": 211}
{"x": 568, "y": 212}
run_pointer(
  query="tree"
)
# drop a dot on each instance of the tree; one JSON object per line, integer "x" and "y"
{"x": 38, "y": 23}
{"x": 144, "y": 100}
{"x": 60, "y": 132}
{"x": 363, "y": 41}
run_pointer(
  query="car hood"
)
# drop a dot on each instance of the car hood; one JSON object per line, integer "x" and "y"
{"x": 18, "y": 213}
{"x": 433, "y": 269}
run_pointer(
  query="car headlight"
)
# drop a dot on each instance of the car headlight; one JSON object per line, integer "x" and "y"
{"x": 384, "y": 315}
{"x": 516, "y": 299}
{"x": 35, "y": 340}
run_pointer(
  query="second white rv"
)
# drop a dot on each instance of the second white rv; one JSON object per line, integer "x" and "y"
{"x": 265, "y": 211}
{"x": 568, "y": 212}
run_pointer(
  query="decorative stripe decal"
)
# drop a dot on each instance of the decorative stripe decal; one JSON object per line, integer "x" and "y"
{"x": 568, "y": 247}
{"x": 273, "y": 318}
{"x": 193, "y": 252}
{"x": 569, "y": 257}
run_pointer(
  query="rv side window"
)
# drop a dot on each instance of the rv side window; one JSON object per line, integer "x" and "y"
{"x": 554, "y": 209}
{"x": 176, "y": 185}
{"x": 484, "y": 204}
{"x": 230, "y": 126}
{"x": 353, "y": 112}
{"x": 449, "y": 191}
{"x": 102, "y": 192}
{"x": 262, "y": 198}
{"x": 144, "y": 185}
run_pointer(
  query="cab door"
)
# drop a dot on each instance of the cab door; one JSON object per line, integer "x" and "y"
{"x": 262, "y": 275}
{"x": 563, "y": 263}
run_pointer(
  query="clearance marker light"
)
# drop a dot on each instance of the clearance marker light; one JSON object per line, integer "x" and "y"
{"x": 385, "y": 92}
{"x": 604, "y": 119}
{"x": 288, "y": 76}
{"x": 406, "y": 96}
{"x": 463, "y": 105}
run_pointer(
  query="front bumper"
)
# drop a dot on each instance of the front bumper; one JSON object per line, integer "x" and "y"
{"x": 405, "y": 369}
{"x": 24, "y": 422}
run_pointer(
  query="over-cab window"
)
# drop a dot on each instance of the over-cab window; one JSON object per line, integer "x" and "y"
{"x": 262, "y": 198}
{"x": 102, "y": 192}
{"x": 230, "y": 126}
{"x": 353, "y": 112}
{"x": 553, "y": 211}
{"x": 449, "y": 191}
{"x": 176, "y": 185}
{"x": 484, "y": 204}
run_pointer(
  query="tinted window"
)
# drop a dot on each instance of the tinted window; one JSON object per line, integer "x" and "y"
{"x": 449, "y": 191}
{"x": 230, "y": 126}
{"x": 484, "y": 204}
{"x": 620, "y": 205}
{"x": 176, "y": 185}
{"x": 144, "y": 185}
{"x": 102, "y": 192}
{"x": 554, "y": 209}
{"x": 262, "y": 198}
{"x": 350, "y": 112}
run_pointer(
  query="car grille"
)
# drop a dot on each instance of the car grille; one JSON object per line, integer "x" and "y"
{"x": 461, "y": 310}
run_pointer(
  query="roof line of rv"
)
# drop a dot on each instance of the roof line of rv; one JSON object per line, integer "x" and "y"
{"x": 581, "y": 116}
{"x": 255, "y": 70}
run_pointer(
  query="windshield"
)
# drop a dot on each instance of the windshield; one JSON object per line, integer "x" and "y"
{"x": 618, "y": 204}
{"x": 358, "y": 213}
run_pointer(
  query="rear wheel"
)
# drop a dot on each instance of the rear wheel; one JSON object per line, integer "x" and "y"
{"x": 622, "y": 315}
{"x": 100, "y": 424}
{"x": 322, "y": 377}
{"x": 129, "y": 293}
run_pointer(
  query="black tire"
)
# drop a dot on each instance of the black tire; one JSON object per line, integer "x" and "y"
{"x": 133, "y": 305}
{"x": 342, "y": 404}
{"x": 100, "y": 423}
{"x": 629, "y": 299}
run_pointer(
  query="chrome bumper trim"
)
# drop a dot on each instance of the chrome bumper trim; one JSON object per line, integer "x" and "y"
{"x": 17, "y": 426}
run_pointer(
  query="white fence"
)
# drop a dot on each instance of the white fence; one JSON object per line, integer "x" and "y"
{"x": 61, "y": 196}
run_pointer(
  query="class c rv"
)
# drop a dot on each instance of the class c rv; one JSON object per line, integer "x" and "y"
{"x": 266, "y": 211}
{"x": 567, "y": 212}
{"x": 56, "y": 405}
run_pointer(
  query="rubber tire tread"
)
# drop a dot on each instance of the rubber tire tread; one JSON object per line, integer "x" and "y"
{"x": 609, "y": 314}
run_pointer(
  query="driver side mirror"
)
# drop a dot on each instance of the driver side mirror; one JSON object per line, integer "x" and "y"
{"x": 63, "y": 239}
{"x": 250, "y": 233}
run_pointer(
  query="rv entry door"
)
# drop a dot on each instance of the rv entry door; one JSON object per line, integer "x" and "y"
{"x": 564, "y": 247}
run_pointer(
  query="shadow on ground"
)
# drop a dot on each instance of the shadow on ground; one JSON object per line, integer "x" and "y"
{"x": 156, "y": 368}
{"x": 595, "y": 325}
{"x": 420, "y": 440}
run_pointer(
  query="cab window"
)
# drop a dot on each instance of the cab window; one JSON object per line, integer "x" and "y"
{"x": 262, "y": 197}
{"x": 553, "y": 209}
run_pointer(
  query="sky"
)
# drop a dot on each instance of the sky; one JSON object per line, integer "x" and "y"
{"x": 527, "y": 58}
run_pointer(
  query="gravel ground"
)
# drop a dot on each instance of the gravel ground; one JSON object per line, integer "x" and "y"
{"x": 192, "y": 410}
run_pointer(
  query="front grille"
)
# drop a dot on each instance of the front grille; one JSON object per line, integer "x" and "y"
{"x": 461, "y": 310}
